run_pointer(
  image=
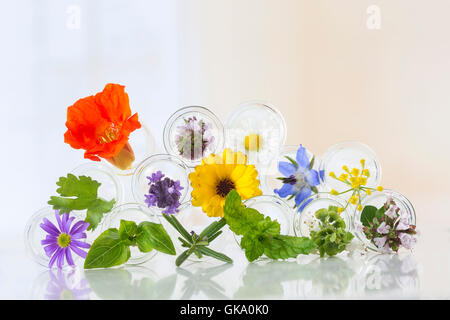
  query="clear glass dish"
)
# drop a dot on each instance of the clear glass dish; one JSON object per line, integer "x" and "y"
{"x": 171, "y": 166}
{"x": 131, "y": 212}
{"x": 199, "y": 143}
{"x": 34, "y": 234}
{"x": 274, "y": 208}
{"x": 378, "y": 199}
{"x": 306, "y": 221}
{"x": 270, "y": 181}
{"x": 350, "y": 153}
{"x": 259, "y": 130}
{"x": 110, "y": 188}
{"x": 143, "y": 144}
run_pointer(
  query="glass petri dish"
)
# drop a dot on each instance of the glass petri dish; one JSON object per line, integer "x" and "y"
{"x": 258, "y": 129}
{"x": 306, "y": 221}
{"x": 270, "y": 181}
{"x": 143, "y": 144}
{"x": 171, "y": 166}
{"x": 378, "y": 199}
{"x": 110, "y": 188}
{"x": 274, "y": 208}
{"x": 34, "y": 234}
{"x": 131, "y": 212}
{"x": 207, "y": 136}
{"x": 350, "y": 153}
{"x": 194, "y": 219}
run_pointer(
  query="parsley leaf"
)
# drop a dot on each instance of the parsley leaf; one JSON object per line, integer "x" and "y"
{"x": 80, "y": 193}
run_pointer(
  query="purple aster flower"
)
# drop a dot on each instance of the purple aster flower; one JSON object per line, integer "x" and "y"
{"x": 66, "y": 287}
{"x": 63, "y": 239}
{"x": 299, "y": 180}
{"x": 193, "y": 138}
{"x": 164, "y": 193}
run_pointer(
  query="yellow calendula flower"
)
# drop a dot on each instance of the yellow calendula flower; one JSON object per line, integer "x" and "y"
{"x": 217, "y": 175}
{"x": 252, "y": 142}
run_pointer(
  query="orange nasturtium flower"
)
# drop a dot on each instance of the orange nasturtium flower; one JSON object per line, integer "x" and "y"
{"x": 101, "y": 125}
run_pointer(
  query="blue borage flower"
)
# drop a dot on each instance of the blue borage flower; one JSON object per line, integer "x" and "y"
{"x": 299, "y": 180}
{"x": 163, "y": 193}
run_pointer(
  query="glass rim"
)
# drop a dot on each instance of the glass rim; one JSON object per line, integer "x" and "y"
{"x": 188, "y": 109}
{"x": 176, "y": 160}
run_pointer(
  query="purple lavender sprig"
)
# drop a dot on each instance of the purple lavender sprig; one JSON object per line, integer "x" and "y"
{"x": 193, "y": 138}
{"x": 163, "y": 193}
{"x": 59, "y": 242}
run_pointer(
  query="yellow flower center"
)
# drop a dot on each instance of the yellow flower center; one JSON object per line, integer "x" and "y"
{"x": 224, "y": 186}
{"x": 252, "y": 142}
{"x": 64, "y": 240}
{"x": 110, "y": 134}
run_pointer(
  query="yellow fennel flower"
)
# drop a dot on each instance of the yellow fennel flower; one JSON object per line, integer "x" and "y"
{"x": 366, "y": 173}
{"x": 343, "y": 177}
{"x": 353, "y": 199}
{"x": 252, "y": 142}
{"x": 217, "y": 175}
{"x": 334, "y": 192}
{"x": 355, "y": 172}
{"x": 369, "y": 192}
{"x": 360, "y": 207}
{"x": 332, "y": 174}
{"x": 340, "y": 210}
{"x": 380, "y": 188}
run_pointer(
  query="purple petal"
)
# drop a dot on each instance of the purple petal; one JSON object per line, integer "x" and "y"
{"x": 285, "y": 190}
{"x": 50, "y": 249}
{"x": 60, "y": 260}
{"x": 80, "y": 244}
{"x": 58, "y": 219}
{"x": 302, "y": 158}
{"x": 55, "y": 255}
{"x": 49, "y": 241}
{"x": 78, "y": 235}
{"x": 286, "y": 168}
{"x": 49, "y": 227}
{"x": 78, "y": 251}
{"x": 78, "y": 227}
{"x": 312, "y": 177}
{"x": 69, "y": 258}
{"x": 68, "y": 224}
{"x": 302, "y": 195}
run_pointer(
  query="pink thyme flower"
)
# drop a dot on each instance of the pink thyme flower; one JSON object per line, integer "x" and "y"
{"x": 402, "y": 225}
{"x": 383, "y": 228}
{"x": 407, "y": 240}
{"x": 380, "y": 241}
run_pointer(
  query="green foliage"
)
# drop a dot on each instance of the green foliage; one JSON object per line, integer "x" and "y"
{"x": 371, "y": 215}
{"x": 332, "y": 238}
{"x": 80, "y": 193}
{"x": 112, "y": 247}
{"x": 260, "y": 234}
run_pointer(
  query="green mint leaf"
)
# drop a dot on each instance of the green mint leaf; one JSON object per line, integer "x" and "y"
{"x": 80, "y": 193}
{"x": 108, "y": 250}
{"x": 284, "y": 247}
{"x": 253, "y": 247}
{"x": 242, "y": 220}
{"x": 127, "y": 229}
{"x": 380, "y": 213}
{"x": 154, "y": 235}
{"x": 367, "y": 215}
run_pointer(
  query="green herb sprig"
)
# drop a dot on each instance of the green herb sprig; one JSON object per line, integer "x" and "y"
{"x": 80, "y": 193}
{"x": 112, "y": 247}
{"x": 198, "y": 244}
{"x": 261, "y": 235}
{"x": 331, "y": 238}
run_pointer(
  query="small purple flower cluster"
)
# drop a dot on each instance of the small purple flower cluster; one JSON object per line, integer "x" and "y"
{"x": 392, "y": 230}
{"x": 163, "y": 193}
{"x": 193, "y": 138}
